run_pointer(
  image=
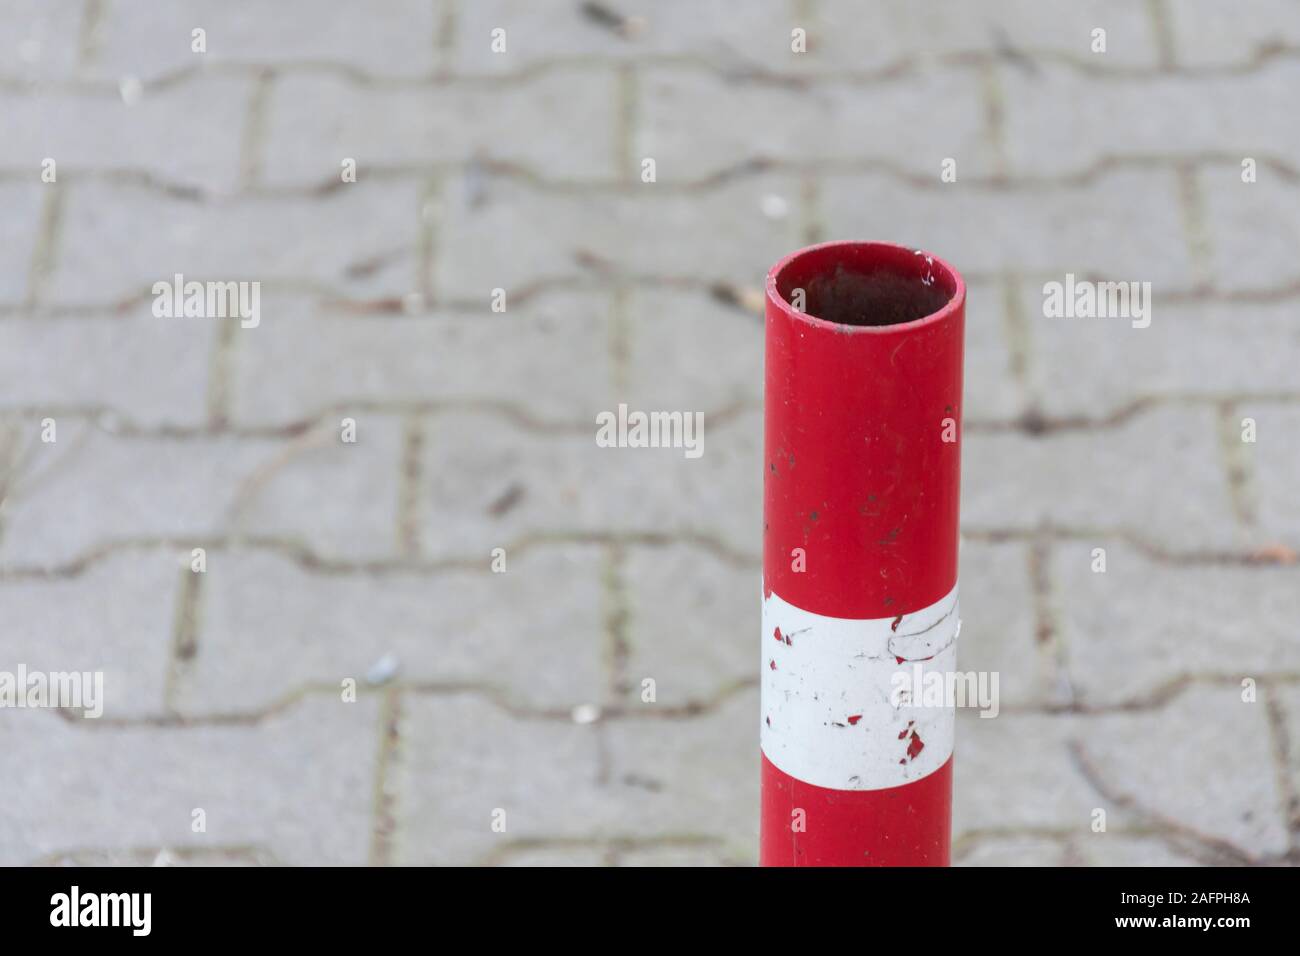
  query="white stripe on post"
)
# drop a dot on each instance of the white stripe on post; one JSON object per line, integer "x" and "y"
{"x": 835, "y": 712}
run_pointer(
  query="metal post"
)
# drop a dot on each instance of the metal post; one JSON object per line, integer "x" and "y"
{"x": 861, "y": 468}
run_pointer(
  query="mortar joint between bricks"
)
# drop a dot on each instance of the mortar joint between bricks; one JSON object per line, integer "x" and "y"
{"x": 1237, "y": 458}
{"x": 384, "y": 797}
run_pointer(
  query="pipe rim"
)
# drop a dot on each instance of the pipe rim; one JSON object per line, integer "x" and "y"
{"x": 866, "y": 249}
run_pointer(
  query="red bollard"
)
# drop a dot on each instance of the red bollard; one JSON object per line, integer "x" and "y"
{"x": 861, "y": 469}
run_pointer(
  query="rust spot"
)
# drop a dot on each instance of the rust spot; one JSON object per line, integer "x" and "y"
{"x": 812, "y": 515}
{"x": 769, "y": 721}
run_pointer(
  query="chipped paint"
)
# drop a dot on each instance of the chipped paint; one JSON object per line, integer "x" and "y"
{"x": 827, "y": 699}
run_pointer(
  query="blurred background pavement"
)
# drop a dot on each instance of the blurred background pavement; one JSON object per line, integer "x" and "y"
{"x": 522, "y": 171}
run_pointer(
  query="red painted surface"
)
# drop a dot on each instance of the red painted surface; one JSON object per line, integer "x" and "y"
{"x": 901, "y": 826}
{"x": 856, "y": 474}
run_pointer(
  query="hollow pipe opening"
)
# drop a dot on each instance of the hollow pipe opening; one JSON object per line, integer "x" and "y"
{"x": 865, "y": 284}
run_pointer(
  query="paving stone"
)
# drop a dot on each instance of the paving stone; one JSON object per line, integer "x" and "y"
{"x": 39, "y": 39}
{"x": 19, "y": 232}
{"x": 692, "y": 625}
{"x": 316, "y": 120}
{"x": 139, "y": 38}
{"x": 543, "y": 234}
{"x": 186, "y": 135}
{"x": 998, "y": 625}
{"x": 1142, "y": 625}
{"x": 992, "y": 390}
{"x": 1134, "y": 116}
{"x": 567, "y": 484}
{"x": 166, "y": 856}
{"x": 298, "y": 784}
{"x": 1212, "y": 34}
{"x": 852, "y": 36}
{"x": 1157, "y": 475}
{"x": 549, "y": 359}
{"x": 150, "y": 371}
{"x": 1015, "y": 772}
{"x": 1124, "y": 849}
{"x": 116, "y": 618}
{"x": 90, "y": 490}
{"x": 556, "y": 856}
{"x": 698, "y": 123}
{"x": 712, "y": 29}
{"x": 686, "y": 350}
{"x": 359, "y": 240}
{"x": 673, "y": 855}
{"x": 462, "y": 758}
{"x": 1251, "y": 228}
{"x": 1095, "y": 367}
{"x": 698, "y": 779}
{"x": 1010, "y": 851}
{"x": 1274, "y": 462}
{"x": 842, "y": 36}
{"x": 447, "y": 628}
{"x": 1124, "y": 224}
{"x": 1206, "y": 735}
{"x": 339, "y": 500}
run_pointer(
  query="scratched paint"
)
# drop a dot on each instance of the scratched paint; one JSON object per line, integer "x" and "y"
{"x": 831, "y": 716}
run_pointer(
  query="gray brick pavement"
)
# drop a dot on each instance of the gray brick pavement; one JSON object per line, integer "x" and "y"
{"x": 1014, "y": 480}
{"x": 314, "y": 121}
{"x": 139, "y": 38}
{"x": 521, "y": 171}
{"x": 558, "y": 369}
{"x": 128, "y": 365}
{"x": 283, "y": 239}
{"x": 138, "y": 786}
{"x": 1159, "y": 116}
{"x": 271, "y": 629}
{"x": 186, "y": 136}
